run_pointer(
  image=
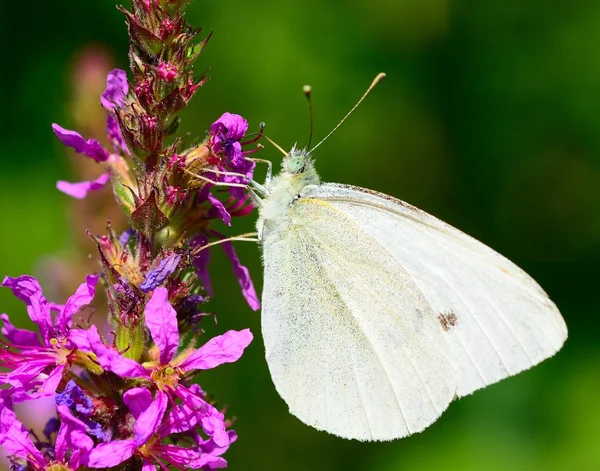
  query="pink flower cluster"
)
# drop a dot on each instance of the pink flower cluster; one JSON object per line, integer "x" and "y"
{"x": 110, "y": 408}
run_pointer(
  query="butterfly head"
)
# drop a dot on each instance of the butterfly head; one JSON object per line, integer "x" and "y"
{"x": 297, "y": 161}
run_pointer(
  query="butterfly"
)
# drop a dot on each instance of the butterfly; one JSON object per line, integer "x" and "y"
{"x": 376, "y": 315}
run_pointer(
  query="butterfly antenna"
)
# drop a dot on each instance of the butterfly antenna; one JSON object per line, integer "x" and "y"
{"x": 378, "y": 79}
{"x": 307, "y": 89}
{"x": 277, "y": 146}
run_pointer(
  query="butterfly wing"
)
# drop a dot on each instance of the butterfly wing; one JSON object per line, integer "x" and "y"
{"x": 352, "y": 345}
{"x": 497, "y": 319}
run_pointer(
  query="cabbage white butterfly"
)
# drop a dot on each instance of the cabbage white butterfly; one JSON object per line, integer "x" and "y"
{"x": 376, "y": 315}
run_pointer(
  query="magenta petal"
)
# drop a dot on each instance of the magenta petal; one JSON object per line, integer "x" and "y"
{"x": 225, "y": 348}
{"x": 178, "y": 456}
{"x": 52, "y": 381}
{"x": 28, "y": 290}
{"x": 149, "y": 420}
{"x": 114, "y": 133}
{"x": 213, "y": 425}
{"x": 90, "y": 148}
{"x": 14, "y": 438}
{"x": 207, "y": 461}
{"x": 148, "y": 465}
{"x": 243, "y": 276}
{"x": 116, "y": 89}
{"x": 26, "y": 371}
{"x": 137, "y": 400}
{"x": 107, "y": 455}
{"x": 79, "y": 190}
{"x": 72, "y": 440}
{"x": 111, "y": 360}
{"x": 185, "y": 416}
{"x": 220, "y": 208}
{"x": 230, "y": 125}
{"x": 82, "y": 297}
{"x": 209, "y": 446}
{"x": 79, "y": 339}
{"x": 21, "y": 337}
{"x": 161, "y": 320}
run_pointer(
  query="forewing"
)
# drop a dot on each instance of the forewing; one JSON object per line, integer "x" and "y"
{"x": 352, "y": 345}
{"x": 496, "y": 318}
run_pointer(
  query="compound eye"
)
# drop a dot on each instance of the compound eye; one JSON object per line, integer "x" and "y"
{"x": 296, "y": 166}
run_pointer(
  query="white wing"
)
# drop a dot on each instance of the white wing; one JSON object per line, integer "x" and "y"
{"x": 497, "y": 319}
{"x": 353, "y": 346}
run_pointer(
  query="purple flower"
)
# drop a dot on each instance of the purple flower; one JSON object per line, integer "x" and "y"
{"x": 161, "y": 320}
{"x": 113, "y": 97}
{"x": 39, "y": 363}
{"x": 158, "y": 275}
{"x": 152, "y": 426}
{"x": 116, "y": 90}
{"x": 226, "y": 134}
{"x": 91, "y": 147}
{"x": 166, "y": 372}
{"x": 71, "y": 450}
{"x": 80, "y": 190}
{"x": 82, "y": 407}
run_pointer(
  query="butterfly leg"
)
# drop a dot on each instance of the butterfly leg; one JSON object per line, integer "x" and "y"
{"x": 269, "y": 176}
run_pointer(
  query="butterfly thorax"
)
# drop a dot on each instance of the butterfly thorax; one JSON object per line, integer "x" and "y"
{"x": 297, "y": 173}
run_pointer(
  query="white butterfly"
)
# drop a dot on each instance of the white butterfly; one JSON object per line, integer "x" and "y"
{"x": 376, "y": 315}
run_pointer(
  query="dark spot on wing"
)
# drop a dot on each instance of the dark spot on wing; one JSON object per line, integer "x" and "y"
{"x": 447, "y": 320}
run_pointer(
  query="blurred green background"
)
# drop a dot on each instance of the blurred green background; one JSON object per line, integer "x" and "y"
{"x": 489, "y": 119}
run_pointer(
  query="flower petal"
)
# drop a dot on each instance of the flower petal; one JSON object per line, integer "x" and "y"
{"x": 107, "y": 455}
{"x": 83, "y": 296}
{"x": 148, "y": 465}
{"x": 74, "y": 398}
{"x": 220, "y": 208}
{"x": 116, "y": 89}
{"x": 25, "y": 372}
{"x": 80, "y": 190}
{"x": 149, "y": 420}
{"x": 225, "y": 348}
{"x": 161, "y": 320}
{"x": 207, "y": 461}
{"x": 111, "y": 360}
{"x": 72, "y": 440}
{"x": 157, "y": 276}
{"x": 79, "y": 338}
{"x": 28, "y": 290}
{"x": 178, "y": 456}
{"x": 232, "y": 126}
{"x": 20, "y": 337}
{"x": 184, "y": 417}
{"x": 137, "y": 400}
{"x": 15, "y": 439}
{"x": 243, "y": 277}
{"x": 52, "y": 381}
{"x": 114, "y": 133}
{"x": 90, "y": 148}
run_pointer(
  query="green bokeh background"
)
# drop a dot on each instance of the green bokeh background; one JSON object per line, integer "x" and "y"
{"x": 489, "y": 119}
